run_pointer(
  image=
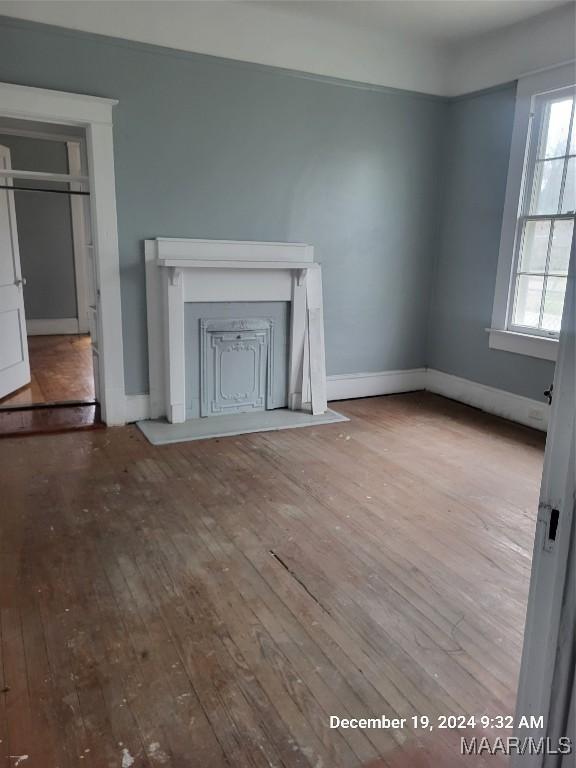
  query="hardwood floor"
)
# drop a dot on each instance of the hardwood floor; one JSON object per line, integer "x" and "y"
{"x": 61, "y": 369}
{"x": 51, "y": 420}
{"x": 211, "y": 604}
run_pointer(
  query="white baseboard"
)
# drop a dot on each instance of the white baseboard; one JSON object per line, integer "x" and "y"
{"x": 137, "y": 408}
{"x": 345, "y": 386}
{"x": 57, "y": 327}
{"x": 522, "y": 410}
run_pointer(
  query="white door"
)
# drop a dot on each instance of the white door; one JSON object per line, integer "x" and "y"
{"x": 546, "y": 684}
{"x": 14, "y": 366}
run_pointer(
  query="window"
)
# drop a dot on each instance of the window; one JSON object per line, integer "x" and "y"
{"x": 539, "y": 216}
{"x": 546, "y": 220}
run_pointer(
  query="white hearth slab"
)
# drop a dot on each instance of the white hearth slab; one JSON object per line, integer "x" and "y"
{"x": 160, "y": 432}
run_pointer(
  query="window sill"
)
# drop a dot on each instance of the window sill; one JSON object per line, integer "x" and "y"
{"x": 523, "y": 344}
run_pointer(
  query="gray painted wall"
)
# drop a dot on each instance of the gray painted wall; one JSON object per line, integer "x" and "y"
{"x": 211, "y": 148}
{"x": 476, "y": 153}
{"x": 44, "y": 231}
{"x": 215, "y": 149}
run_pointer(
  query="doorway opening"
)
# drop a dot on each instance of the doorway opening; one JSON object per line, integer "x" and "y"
{"x": 93, "y": 115}
{"x": 47, "y": 369}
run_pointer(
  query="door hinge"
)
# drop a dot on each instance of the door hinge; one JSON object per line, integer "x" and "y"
{"x": 549, "y": 516}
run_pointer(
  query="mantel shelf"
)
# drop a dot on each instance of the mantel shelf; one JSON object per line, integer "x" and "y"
{"x": 232, "y": 264}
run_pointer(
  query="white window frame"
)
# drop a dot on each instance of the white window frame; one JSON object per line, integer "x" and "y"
{"x": 502, "y": 334}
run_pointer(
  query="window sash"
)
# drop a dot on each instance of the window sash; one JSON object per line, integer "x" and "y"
{"x": 527, "y": 192}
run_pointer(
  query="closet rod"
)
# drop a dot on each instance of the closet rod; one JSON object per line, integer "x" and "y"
{"x": 39, "y": 189}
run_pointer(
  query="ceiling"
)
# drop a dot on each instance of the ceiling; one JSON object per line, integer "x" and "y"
{"x": 438, "y": 21}
{"x": 444, "y": 47}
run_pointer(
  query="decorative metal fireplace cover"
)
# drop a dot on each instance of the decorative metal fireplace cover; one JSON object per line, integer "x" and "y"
{"x": 237, "y": 365}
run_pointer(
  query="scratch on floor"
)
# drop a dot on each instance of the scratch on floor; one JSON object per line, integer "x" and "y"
{"x": 299, "y": 580}
{"x": 19, "y": 759}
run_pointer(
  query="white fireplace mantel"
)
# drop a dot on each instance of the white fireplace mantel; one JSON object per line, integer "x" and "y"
{"x": 184, "y": 270}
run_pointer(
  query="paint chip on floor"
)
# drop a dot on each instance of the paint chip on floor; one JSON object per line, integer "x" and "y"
{"x": 156, "y": 753}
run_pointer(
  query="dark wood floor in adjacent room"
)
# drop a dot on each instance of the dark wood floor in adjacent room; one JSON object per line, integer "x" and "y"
{"x": 211, "y": 604}
{"x": 61, "y": 371}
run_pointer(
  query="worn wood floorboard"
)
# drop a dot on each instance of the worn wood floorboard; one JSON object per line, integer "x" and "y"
{"x": 210, "y": 604}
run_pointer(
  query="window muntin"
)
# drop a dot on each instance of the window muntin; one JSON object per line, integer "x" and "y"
{"x": 546, "y": 218}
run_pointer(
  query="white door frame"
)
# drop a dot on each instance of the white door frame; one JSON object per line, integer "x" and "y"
{"x": 79, "y": 237}
{"x": 552, "y": 549}
{"x": 94, "y": 114}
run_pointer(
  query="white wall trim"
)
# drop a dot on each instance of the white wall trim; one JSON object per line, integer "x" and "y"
{"x": 94, "y": 115}
{"x": 44, "y": 135}
{"x": 137, "y": 408}
{"x": 542, "y": 347}
{"x": 24, "y": 102}
{"x": 522, "y": 410}
{"x": 79, "y": 236}
{"x": 345, "y": 386}
{"x": 52, "y": 327}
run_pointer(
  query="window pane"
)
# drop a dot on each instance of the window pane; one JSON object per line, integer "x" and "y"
{"x": 535, "y": 246}
{"x": 547, "y": 182}
{"x": 561, "y": 242}
{"x": 572, "y": 150}
{"x": 569, "y": 196}
{"x": 553, "y": 303}
{"x": 555, "y": 128}
{"x": 528, "y": 300}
